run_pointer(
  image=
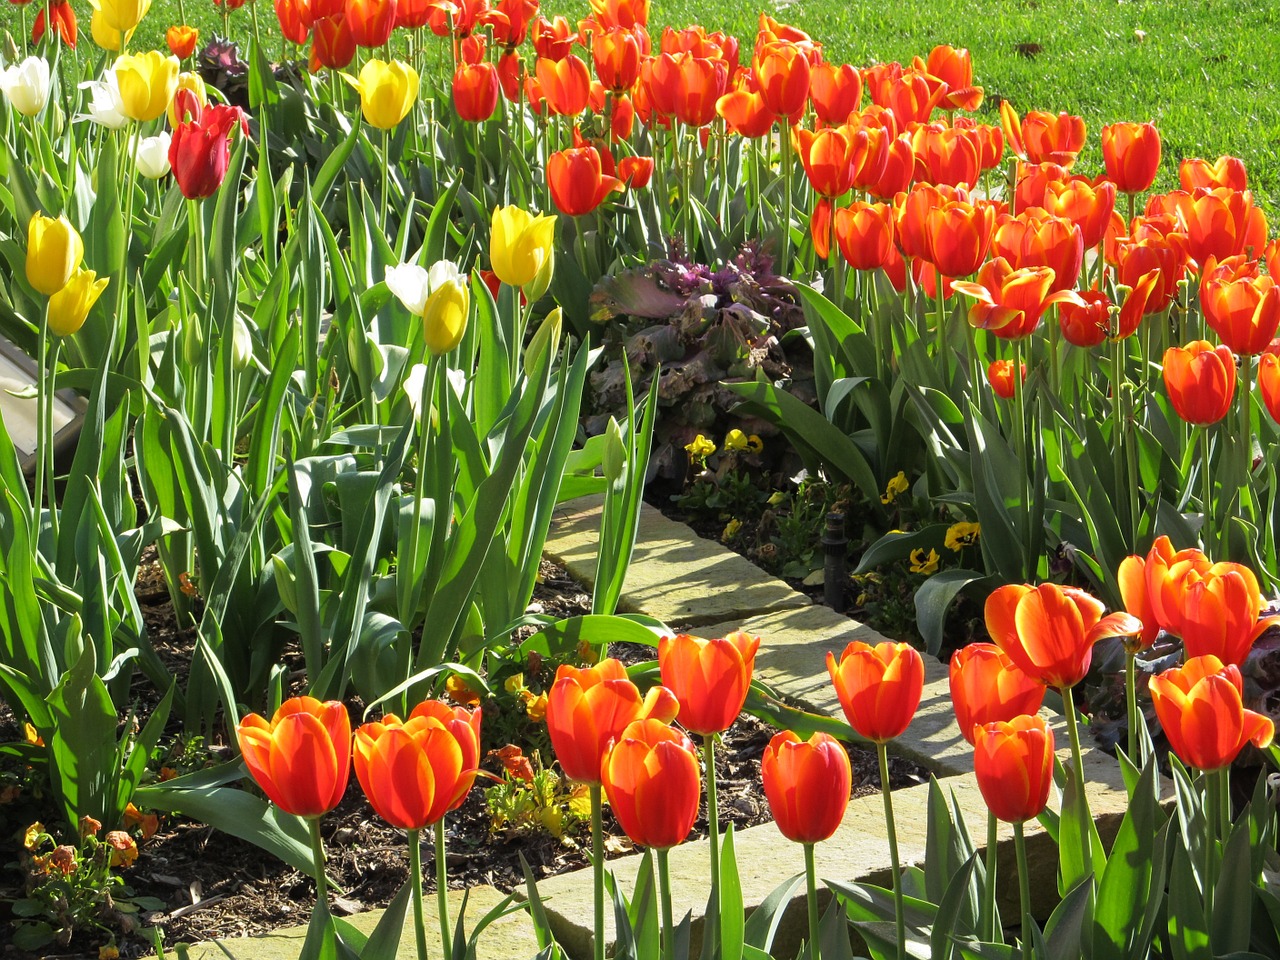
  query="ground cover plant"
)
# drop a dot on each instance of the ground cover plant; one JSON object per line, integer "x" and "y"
{"x": 356, "y": 299}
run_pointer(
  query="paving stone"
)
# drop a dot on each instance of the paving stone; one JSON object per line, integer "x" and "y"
{"x": 675, "y": 575}
{"x": 510, "y": 938}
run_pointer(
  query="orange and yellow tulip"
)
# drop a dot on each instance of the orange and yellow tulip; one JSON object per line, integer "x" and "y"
{"x": 1131, "y": 152}
{"x": 835, "y": 92}
{"x": 475, "y": 91}
{"x": 710, "y": 678}
{"x": 878, "y": 687}
{"x": 1044, "y": 137}
{"x": 1218, "y": 610}
{"x": 370, "y": 22}
{"x": 958, "y": 236}
{"x": 1000, "y": 376}
{"x": 651, "y": 779}
{"x": 987, "y": 686}
{"x": 864, "y": 232}
{"x": 1226, "y": 171}
{"x": 617, "y": 55}
{"x": 1013, "y": 763}
{"x": 955, "y": 69}
{"x": 1201, "y": 708}
{"x": 1240, "y": 304}
{"x": 565, "y": 83}
{"x": 951, "y": 155}
{"x": 1085, "y": 323}
{"x": 1269, "y": 383}
{"x": 1032, "y": 239}
{"x": 782, "y": 72}
{"x": 1219, "y": 223}
{"x": 807, "y": 784}
{"x": 1010, "y": 302}
{"x": 1201, "y": 380}
{"x": 1087, "y": 205}
{"x": 301, "y": 758}
{"x": 577, "y": 182}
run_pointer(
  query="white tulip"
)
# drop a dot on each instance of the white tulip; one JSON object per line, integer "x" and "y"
{"x": 413, "y": 285}
{"x": 241, "y": 341}
{"x": 152, "y": 154}
{"x": 105, "y": 106}
{"x": 26, "y": 84}
{"x": 413, "y": 388}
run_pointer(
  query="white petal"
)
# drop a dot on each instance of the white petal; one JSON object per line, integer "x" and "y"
{"x": 409, "y": 283}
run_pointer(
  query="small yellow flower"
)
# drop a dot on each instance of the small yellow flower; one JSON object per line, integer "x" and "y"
{"x": 898, "y": 485}
{"x": 922, "y": 564}
{"x": 754, "y": 444}
{"x": 580, "y": 801}
{"x": 123, "y": 848}
{"x": 731, "y": 530}
{"x": 776, "y": 498}
{"x": 31, "y": 839}
{"x": 108, "y": 953}
{"x": 536, "y": 707}
{"x": 31, "y": 735}
{"x": 459, "y": 692}
{"x": 961, "y": 535}
{"x": 735, "y": 440}
{"x": 89, "y": 827}
{"x": 514, "y": 683}
{"x": 699, "y": 449}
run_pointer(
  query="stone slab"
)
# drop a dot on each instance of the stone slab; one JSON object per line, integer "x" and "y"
{"x": 682, "y": 579}
{"x": 510, "y": 938}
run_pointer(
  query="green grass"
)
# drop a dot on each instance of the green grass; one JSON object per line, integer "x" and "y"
{"x": 1207, "y": 71}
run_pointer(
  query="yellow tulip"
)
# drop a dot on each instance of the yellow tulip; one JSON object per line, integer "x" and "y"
{"x": 54, "y": 251}
{"x": 520, "y": 248}
{"x": 445, "y": 318}
{"x": 147, "y": 83}
{"x": 187, "y": 80}
{"x": 70, "y": 305}
{"x": 387, "y": 92}
{"x": 104, "y": 34}
{"x": 121, "y": 15}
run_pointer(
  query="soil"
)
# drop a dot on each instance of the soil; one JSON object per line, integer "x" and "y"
{"x": 213, "y": 885}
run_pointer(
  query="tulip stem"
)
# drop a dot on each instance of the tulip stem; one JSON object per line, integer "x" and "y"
{"x": 386, "y": 178}
{"x": 987, "y": 921}
{"x": 415, "y": 877}
{"x": 1212, "y": 785}
{"x": 1224, "y": 823}
{"x": 664, "y": 896}
{"x": 409, "y": 595}
{"x": 442, "y": 890}
{"x": 1206, "y": 479}
{"x": 1118, "y": 442}
{"x": 43, "y": 440}
{"x": 1131, "y": 696}
{"x": 317, "y": 855}
{"x": 941, "y": 332}
{"x": 1024, "y": 888}
{"x": 49, "y": 438}
{"x": 597, "y": 863}
{"x": 1086, "y": 822}
{"x": 788, "y": 158}
{"x": 713, "y": 829}
{"x": 899, "y": 912}
{"x": 811, "y": 880}
{"x": 1246, "y": 436}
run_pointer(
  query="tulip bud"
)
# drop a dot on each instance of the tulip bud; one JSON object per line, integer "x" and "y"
{"x": 147, "y": 83}
{"x": 521, "y": 249}
{"x": 241, "y": 344}
{"x": 54, "y": 251}
{"x": 546, "y": 339}
{"x": 69, "y": 306}
{"x": 26, "y": 85}
{"x": 152, "y": 155}
{"x": 123, "y": 15}
{"x": 104, "y": 34}
{"x": 615, "y": 452}
{"x": 444, "y": 317}
{"x": 192, "y": 341}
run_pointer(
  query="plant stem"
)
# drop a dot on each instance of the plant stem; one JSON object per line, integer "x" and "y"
{"x": 942, "y": 334}
{"x": 1117, "y": 432}
{"x": 386, "y": 178}
{"x": 811, "y": 878}
{"x": 1207, "y": 534}
{"x": 788, "y": 160}
{"x": 597, "y": 863}
{"x": 1020, "y": 451}
{"x": 1246, "y": 437}
{"x": 1024, "y": 888}
{"x": 1224, "y": 823}
{"x": 899, "y": 911}
{"x": 415, "y": 877}
{"x": 987, "y": 920}
{"x": 664, "y": 896}
{"x": 713, "y": 828}
{"x": 44, "y": 396}
{"x": 317, "y": 854}
{"x": 1073, "y": 731}
{"x": 1212, "y": 785}
{"x": 442, "y": 891}
{"x": 1131, "y": 697}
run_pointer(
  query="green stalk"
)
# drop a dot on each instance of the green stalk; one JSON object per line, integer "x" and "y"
{"x": 1212, "y": 787}
{"x": 1246, "y": 436}
{"x": 386, "y": 178}
{"x": 1020, "y": 451}
{"x": 1024, "y": 888}
{"x": 899, "y": 910}
{"x": 811, "y": 879}
{"x": 1073, "y": 731}
{"x": 1207, "y": 535}
{"x": 407, "y": 608}
{"x": 597, "y": 864}
{"x": 49, "y": 445}
{"x": 713, "y": 829}
{"x": 1224, "y": 786}
{"x": 987, "y": 919}
{"x": 415, "y": 877}
{"x": 1131, "y": 698}
{"x": 317, "y": 854}
{"x": 44, "y": 394}
{"x": 664, "y": 896}
{"x": 686, "y": 198}
{"x": 1117, "y": 433}
{"x": 442, "y": 891}
{"x": 788, "y": 161}
{"x": 942, "y": 333}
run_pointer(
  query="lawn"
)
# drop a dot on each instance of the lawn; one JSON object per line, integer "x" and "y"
{"x": 1205, "y": 72}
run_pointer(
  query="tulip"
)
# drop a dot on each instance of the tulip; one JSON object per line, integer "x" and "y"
{"x": 782, "y": 71}
{"x": 200, "y": 150}
{"x": 416, "y": 771}
{"x": 147, "y": 83}
{"x": 1013, "y": 763}
{"x": 69, "y": 307}
{"x": 1242, "y": 306}
{"x": 387, "y": 92}
{"x": 958, "y": 235}
{"x": 1201, "y": 708}
{"x": 189, "y": 98}
{"x": 911, "y": 94}
{"x": 475, "y": 91}
{"x": 1159, "y": 257}
{"x": 635, "y": 172}
{"x": 54, "y": 252}
{"x": 1010, "y": 302}
{"x": 553, "y": 39}
{"x": 295, "y": 17}
{"x": 332, "y": 45}
{"x": 1131, "y": 152}
{"x": 576, "y": 182}
{"x": 1219, "y": 223}
{"x": 1269, "y": 383}
{"x": 864, "y": 232}
{"x": 745, "y": 114}
{"x": 1085, "y": 322}
{"x": 1201, "y": 380}
{"x": 1165, "y": 570}
{"x": 1087, "y": 206}
{"x": 370, "y": 23}
{"x": 828, "y": 157}
{"x": 1224, "y": 172}
{"x": 301, "y": 758}
{"x": 105, "y": 107}
{"x": 440, "y": 296}
{"x": 1132, "y": 577}
{"x": 899, "y": 168}
{"x": 62, "y": 17}
{"x": 620, "y": 13}
{"x": 1054, "y": 139}
{"x": 26, "y": 85}
{"x": 879, "y": 687}
{"x": 1218, "y": 611}
{"x": 104, "y": 35}
{"x": 152, "y": 155}
{"x": 835, "y": 92}
{"x": 1031, "y": 240}
{"x": 521, "y": 248}
{"x": 709, "y": 678}
{"x": 617, "y": 55}
{"x": 955, "y": 69}
{"x": 651, "y": 778}
{"x": 182, "y": 40}
{"x": 566, "y": 83}
{"x": 951, "y": 155}
{"x": 123, "y": 15}
{"x": 807, "y": 784}
{"x": 986, "y": 686}
{"x": 1000, "y": 376}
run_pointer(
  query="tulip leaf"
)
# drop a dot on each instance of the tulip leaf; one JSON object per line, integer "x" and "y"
{"x": 1188, "y": 934}
{"x": 1232, "y": 900}
{"x": 762, "y": 926}
{"x": 1125, "y": 886}
{"x": 957, "y": 906}
{"x": 833, "y": 933}
{"x": 934, "y": 598}
{"x": 732, "y": 920}
{"x": 1065, "y": 932}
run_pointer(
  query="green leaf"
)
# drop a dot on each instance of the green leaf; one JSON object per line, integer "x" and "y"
{"x": 1188, "y": 934}
{"x": 1232, "y": 899}
{"x": 597, "y": 630}
{"x": 934, "y": 598}
{"x": 1064, "y": 933}
{"x": 732, "y": 918}
{"x": 762, "y": 926}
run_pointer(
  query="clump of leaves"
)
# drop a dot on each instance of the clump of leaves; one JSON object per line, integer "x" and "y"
{"x": 532, "y": 798}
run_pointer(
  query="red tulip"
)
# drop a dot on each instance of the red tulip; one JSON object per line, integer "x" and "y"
{"x": 1224, "y": 172}
{"x": 1201, "y": 380}
{"x": 370, "y": 21}
{"x": 1000, "y": 376}
{"x": 1010, "y": 302}
{"x": 879, "y": 687}
{"x": 1241, "y": 305}
{"x": 302, "y": 758}
{"x": 475, "y": 91}
{"x": 710, "y": 678}
{"x": 576, "y": 181}
{"x": 332, "y": 45}
{"x": 899, "y": 168}
{"x": 1201, "y": 708}
{"x": 836, "y": 92}
{"x": 1269, "y": 383}
{"x": 63, "y": 18}
{"x": 553, "y": 39}
{"x": 986, "y": 686}
{"x": 201, "y": 147}
{"x": 958, "y": 236}
{"x": 1013, "y": 763}
{"x": 864, "y": 232}
{"x": 807, "y": 784}
{"x": 652, "y": 781}
{"x": 782, "y": 72}
{"x": 1131, "y": 152}
{"x": 1087, "y": 322}
{"x": 635, "y": 172}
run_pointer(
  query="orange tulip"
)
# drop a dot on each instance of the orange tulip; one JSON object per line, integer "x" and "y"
{"x": 553, "y": 39}
{"x": 829, "y": 157}
{"x": 589, "y": 707}
{"x": 635, "y": 172}
{"x": 182, "y": 39}
{"x": 416, "y": 771}
{"x": 879, "y": 687}
{"x": 744, "y": 113}
{"x": 332, "y": 45}
{"x": 1049, "y": 631}
{"x": 1224, "y": 172}
{"x": 899, "y": 168}
{"x": 1135, "y": 260}
{"x": 696, "y": 40}
{"x": 782, "y": 71}
{"x": 1131, "y": 152}
{"x": 835, "y": 92}
{"x": 986, "y": 687}
{"x": 1053, "y": 139}
{"x": 1032, "y": 239}
{"x": 475, "y": 91}
{"x": 1269, "y": 383}
{"x": 1010, "y": 302}
{"x": 1219, "y": 611}
{"x": 989, "y": 139}
{"x": 1141, "y": 300}
{"x": 1219, "y": 223}
{"x": 1087, "y": 322}
{"x": 566, "y": 84}
{"x": 1000, "y": 376}
{"x": 807, "y": 784}
{"x": 370, "y": 21}
{"x": 1241, "y": 305}
{"x": 1164, "y": 570}
{"x": 1087, "y": 205}
{"x": 951, "y": 155}
{"x": 1201, "y": 708}
{"x": 820, "y": 228}
{"x": 1033, "y": 183}
{"x": 617, "y": 58}
{"x": 710, "y": 678}
{"x": 955, "y": 69}
{"x": 864, "y": 232}
{"x": 1201, "y": 380}
{"x": 909, "y": 93}
{"x": 625, "y": 14}
{"x": 576, "y": 181}
{"x": 699, "y": 85}
{"x": 651, "y": 778}
{"x": 1013, "y": 762}
{"x": 959, "y": 235}
{"x": 301, "y": 759}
